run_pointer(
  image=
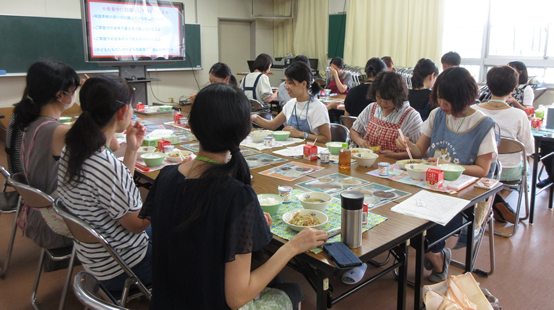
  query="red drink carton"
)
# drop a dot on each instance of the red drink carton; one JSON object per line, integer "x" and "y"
{"x": 140, "y": 107}
{"x": 365, "y": 214}
{"x": 434, "y": 178}
{"x": 161, "y": 145}
{"x": 310, "y": 152}
{"x": 177, "y": 118}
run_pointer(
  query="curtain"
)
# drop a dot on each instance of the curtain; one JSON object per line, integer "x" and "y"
{"x": 406, "y": 30}
{"x": 311, "y": 30}
{"x": 282, "y": 28}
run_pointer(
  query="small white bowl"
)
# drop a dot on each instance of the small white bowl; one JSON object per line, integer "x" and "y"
{"x": 358, "y": 150}
{"x": 319, "y": 206}
{"x": 402, "y": 163}
{"x": 417, "y": 171}
{"x": 177, "y": 159}
{"x": 145, "y": 149}
{"x": 322, "y": 217}
{"x": 366, "y": 159}
{"x": 259, "y": 135}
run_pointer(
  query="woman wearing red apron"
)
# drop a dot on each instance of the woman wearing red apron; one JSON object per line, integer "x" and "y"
{"x": 338, "y": 81}
{"x": 379, "y": 122}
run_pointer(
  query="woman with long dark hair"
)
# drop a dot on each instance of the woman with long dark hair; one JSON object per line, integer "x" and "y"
{"x": 98, "y": 188}
{"x": 207, "y": 221}
{"x": 523, "y": 96}
{"x": 35, "y": 141}
{"x": 423, "y": 78}
{"x": 304, "y": 115}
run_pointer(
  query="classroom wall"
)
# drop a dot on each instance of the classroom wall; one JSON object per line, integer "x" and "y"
{"x": 173, "y": 83}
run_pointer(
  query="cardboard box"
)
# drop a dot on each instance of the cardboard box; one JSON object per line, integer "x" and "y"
{"x": 310, "y": 152}
{"x": 434, "y": 178}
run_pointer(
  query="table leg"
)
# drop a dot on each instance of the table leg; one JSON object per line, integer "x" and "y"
{"x": 402, "y": 255}
{"x": 469, "y": 245}
{"x": 536, "y": 159}
{"x": 418, "y": 284}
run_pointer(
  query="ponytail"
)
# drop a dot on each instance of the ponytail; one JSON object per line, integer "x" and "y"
{"x": 422, "y": 70}
{"x": 25, "y": 112}
{"x": 227, "y": 129}
{"x": 84, "y": 129}
{"x": 374, "y": 66}
{"x": 315, "y": 88}
{"x": 101, "y": 97}
{"x": 233, "y": 81}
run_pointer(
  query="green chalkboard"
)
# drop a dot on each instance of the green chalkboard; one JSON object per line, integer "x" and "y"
{"x": 25, "y": 40}
{"x": 337, "y": 29}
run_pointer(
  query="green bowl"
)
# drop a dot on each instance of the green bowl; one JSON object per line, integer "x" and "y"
{"x": 153, "y": 159}
{"x": 451, "y": 171}
{"x": 269, "y": 207}
{"x": 281, "y": 135}
{"x": 165, "y": 108}
{"x": 334, "y": 147}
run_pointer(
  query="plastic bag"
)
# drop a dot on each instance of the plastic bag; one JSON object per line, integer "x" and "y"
{"x": 456, "y": 293}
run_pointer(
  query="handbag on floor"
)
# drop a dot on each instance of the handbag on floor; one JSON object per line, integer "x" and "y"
{"x": 460, "y": 292}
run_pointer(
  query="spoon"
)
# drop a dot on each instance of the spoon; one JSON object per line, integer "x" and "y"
{"x": 405, "y": 143}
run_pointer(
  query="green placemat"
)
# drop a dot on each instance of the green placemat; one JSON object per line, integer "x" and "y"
{"x": 281, "y": 229}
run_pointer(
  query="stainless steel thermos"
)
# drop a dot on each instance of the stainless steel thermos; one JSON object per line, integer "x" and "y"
{"x": 351, "y": 218}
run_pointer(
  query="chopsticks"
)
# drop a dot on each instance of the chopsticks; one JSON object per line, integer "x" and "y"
{"x": 406, "y": 143}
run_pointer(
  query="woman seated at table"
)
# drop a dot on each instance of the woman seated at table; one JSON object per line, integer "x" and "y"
{"x": 98, "y": 188}
{"x": 423, "y": 78}
{"x": 304, "y": 115}
{"x": 379, "y": 122}
{"x": 37, "y": 134}
{"x": 357, "y": 99}
{"x": 523, "y": 96}
{"x": 338, "y": 81}
{"x": 207, "y": 221}
{"x": 219, "y": 73}
{"x": 455, "y": 133}
{"x": 513, "y": 123}
{"x": 256, "y": 84}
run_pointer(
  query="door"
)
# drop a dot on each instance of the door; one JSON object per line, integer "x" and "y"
{"x": 236, "y": 45}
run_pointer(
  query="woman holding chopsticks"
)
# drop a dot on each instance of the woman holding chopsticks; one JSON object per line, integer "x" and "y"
{"x": 378, "y": 124}
{"x": 455, "y": 133}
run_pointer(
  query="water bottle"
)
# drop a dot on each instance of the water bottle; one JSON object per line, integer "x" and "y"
{"x": 351, "y": 218}
{"x": 345, "y": 157}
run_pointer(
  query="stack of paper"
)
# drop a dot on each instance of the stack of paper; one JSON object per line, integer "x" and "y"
{"x": 438, "y": 208}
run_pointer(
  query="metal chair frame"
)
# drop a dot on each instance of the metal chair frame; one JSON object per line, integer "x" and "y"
{"x": 334, "y": 131}
{"x": 478, "y": 240}
{"x": 511, "y": 146}
{"x": 11, "y": 203}
{"x": 36, "y": 198}
{"x": 84, "y": 233}
{"x": 85, "y": 287}
{"x": 347, "y": 121}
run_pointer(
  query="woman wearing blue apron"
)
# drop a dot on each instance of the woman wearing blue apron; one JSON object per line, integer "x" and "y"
{"x": 304, "y": 115}
{"x": 256, "y": 84}
{"x": 455, "y": 133}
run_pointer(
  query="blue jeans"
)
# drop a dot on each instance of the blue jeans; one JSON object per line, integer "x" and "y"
{"x": 438, "y": 231}
{"x": 143, "y": 270}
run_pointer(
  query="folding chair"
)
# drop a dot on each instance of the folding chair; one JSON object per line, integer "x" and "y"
{"x": 259, "y": 106}
{"x": 483, "y": 217}
{"x": 339, "y": 132}
{"x": 10, "y": 202}
{"x": 35, "y": 198}
{"x": 347, "y": 121}
{"x": 84, "y": 233}
{"x": 511, "y": 146}
{"x": 87, "y": 288}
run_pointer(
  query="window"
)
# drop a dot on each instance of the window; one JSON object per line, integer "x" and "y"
{"x": 495, "y": 32}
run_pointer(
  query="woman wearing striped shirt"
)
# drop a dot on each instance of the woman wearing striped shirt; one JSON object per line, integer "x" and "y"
{"x": 98, "y": 188}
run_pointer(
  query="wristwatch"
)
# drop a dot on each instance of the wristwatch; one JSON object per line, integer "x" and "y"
{"x": 305, "y": 136}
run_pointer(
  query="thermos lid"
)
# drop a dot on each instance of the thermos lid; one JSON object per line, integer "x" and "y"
{"x": 351, "y": 200}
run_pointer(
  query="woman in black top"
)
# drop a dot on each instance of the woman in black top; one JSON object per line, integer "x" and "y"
{"x": 207, "y": 221}
{"x": 358, "y": 98}
{"x": 423, "y": 77}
